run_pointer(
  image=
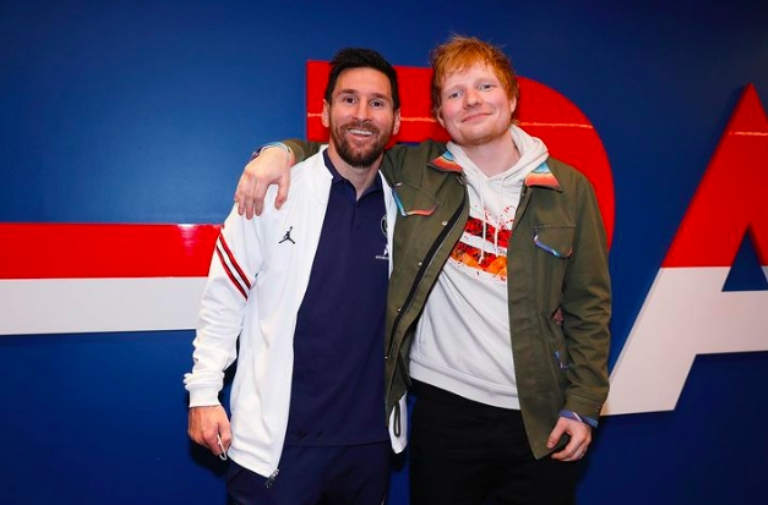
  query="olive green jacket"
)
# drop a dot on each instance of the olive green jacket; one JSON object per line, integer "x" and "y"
{"x": 557, "y": 270}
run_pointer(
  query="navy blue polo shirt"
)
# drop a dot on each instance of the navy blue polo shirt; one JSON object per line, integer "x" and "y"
{"x": 337, "y": 393}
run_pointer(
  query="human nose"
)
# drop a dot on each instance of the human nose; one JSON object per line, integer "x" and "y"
{"x": 471, "y": 98}
{"x": 362, "y": 111}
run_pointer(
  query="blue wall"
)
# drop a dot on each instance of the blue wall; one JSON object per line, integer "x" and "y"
{"x": 145, "y": 112}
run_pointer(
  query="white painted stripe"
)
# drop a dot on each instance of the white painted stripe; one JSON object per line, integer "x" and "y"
{"x": 44, "y": 306}
{"x": 686, "y": 313}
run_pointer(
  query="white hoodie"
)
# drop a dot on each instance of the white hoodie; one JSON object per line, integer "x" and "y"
{"x": 462, "y": 340}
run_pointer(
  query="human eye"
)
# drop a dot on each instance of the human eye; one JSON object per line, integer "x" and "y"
{"x": 486, "y": 86}
{"x": 378, "y": 104}
{"x": 347, "y": 99}
{"x": 452, "y": 95}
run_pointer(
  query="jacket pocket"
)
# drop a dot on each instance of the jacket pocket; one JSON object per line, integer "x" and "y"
{"x": 411, "y": 200}
{"x": 557, "y": 240}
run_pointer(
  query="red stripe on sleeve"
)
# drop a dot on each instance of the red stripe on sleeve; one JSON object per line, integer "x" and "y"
{"x": 231, "y": 276}
{"x": 233, "y": 261}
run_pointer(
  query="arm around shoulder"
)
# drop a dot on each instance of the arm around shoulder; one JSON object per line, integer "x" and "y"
{"x": 268, "y": 166}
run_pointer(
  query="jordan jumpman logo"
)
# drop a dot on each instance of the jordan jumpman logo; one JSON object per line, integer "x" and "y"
{"x": 287, "y": 236}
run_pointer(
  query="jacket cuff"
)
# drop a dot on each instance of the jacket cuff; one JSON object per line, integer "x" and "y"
{"x": 204, "y": 398}
{"x": 576, "y": 417}
{"x": 278, "y": 145}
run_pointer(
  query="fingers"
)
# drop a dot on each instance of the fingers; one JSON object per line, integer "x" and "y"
{"x": 207, "y": 438}
{"x": 253, "y": 207}
{"x": 580, "y": 438}
{"x": 272, "y": 166}
{"x": 572, "y": 452}
{"x": 247, "y": 188}
{"x": 206, "y": 425}
{"x": 282, "y": 189}
{"x": 241, "y": 194}
{"x": 256, "y": 199}
{"x": 252, "y": 190}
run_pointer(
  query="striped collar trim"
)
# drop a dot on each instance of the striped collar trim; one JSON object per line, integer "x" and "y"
{"x": 446, "y": 162}
{"x": 543, "y": 177}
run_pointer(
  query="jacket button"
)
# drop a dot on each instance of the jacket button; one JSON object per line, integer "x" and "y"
{"x": 421, "y": 263}
{"x": 445, "y": 223}
{"x": 399, "y": 309}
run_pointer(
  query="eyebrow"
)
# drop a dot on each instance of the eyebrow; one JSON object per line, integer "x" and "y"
{"x": 350, "y": 91}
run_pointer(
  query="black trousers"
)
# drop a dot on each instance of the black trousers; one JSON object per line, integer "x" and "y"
{"x": 468, "y": 453}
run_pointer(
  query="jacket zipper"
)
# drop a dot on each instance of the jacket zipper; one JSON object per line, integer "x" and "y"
{"x": 271, "y": 478}
{"x": 521, "y": 208}
{"x": 420, "y": 275}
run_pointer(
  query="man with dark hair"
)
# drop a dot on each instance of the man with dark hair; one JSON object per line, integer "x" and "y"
{"x": 304, "y": 288}
{"x": 361, "y": 58}
{"x": 499, "y": 300}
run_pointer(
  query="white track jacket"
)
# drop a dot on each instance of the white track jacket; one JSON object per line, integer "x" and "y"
{"x": 258, "y": 277}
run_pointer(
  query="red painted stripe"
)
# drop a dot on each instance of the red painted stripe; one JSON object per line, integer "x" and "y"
{"x": 57, "y": 251}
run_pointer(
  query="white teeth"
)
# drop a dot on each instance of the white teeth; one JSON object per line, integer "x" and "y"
{"x": 360, "y": 132}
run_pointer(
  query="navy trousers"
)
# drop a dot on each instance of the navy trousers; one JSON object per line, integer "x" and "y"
{"x": 347, "y": 475}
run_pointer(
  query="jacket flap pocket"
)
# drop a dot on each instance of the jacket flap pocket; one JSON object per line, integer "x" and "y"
{"x": 555, "y": 239}
{"x": 413, "y": 201}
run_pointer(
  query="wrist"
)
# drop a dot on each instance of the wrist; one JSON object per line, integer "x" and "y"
{"x": 569, "y": 414}
{"x": 277, "y": 145}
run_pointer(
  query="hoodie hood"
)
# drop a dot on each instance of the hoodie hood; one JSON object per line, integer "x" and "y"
{"x": 532, "y": 151}
{"x": 494, "y": 200}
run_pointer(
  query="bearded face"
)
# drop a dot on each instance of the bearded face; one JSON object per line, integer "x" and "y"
{"x": 361, "y": 116}
{"x": 360, "y": 143}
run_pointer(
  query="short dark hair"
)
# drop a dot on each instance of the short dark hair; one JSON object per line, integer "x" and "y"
{"x": 353, "y": 57}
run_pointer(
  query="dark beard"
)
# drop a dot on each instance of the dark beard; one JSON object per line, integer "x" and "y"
{"x": 357, "y": 158}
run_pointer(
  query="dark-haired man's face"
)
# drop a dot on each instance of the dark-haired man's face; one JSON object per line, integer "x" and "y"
{"x": 361, "y": 116}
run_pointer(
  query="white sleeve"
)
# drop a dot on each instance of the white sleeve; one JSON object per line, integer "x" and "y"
{"x": 236, "y": 262}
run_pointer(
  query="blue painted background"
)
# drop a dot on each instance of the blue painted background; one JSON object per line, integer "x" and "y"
{"x": 145, "y": 112}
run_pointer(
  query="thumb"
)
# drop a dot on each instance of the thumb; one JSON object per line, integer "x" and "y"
{"x": 555, "y": 436}
{"x": 226, "y": 435}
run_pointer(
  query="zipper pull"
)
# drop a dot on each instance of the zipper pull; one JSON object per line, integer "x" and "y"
{"x": 271, "y": 479}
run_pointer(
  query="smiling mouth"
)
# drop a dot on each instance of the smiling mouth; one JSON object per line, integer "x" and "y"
{"x": 473, "y": 118}
{"x": 360, "y": 133}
